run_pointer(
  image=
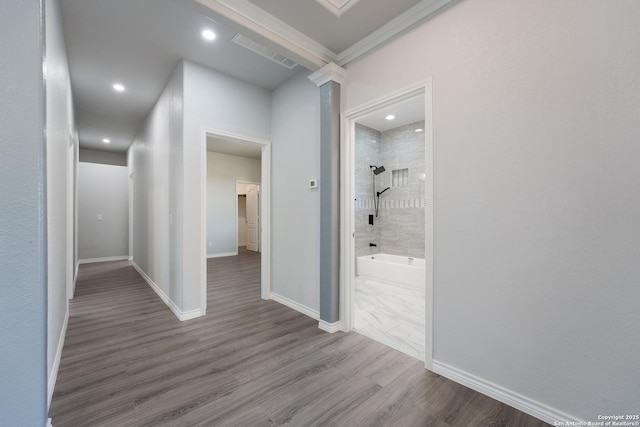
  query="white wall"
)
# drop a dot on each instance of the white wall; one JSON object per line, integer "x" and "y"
{"x": 296, "y": 208}
{"x": 222, "y": 173}
{"x": 23, "y": 252}
{"x": 168, "y": 164}
{"x": 215, "y": 101}
{"x": 103, "y": 189}
{"x": 149, "y": 163}
{"x": 60, "y": 135}
{"x": 536, "y": 130}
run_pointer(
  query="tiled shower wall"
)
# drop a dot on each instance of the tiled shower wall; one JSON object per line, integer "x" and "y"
{"x": 399, "y": 228}
{"x": 368, "y": 143}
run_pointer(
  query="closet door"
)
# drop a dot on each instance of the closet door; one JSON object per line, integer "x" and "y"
{"x": 253, "y": 243}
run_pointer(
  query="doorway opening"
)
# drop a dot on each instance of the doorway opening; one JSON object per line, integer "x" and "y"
{"x": 229, "y": 161}
{"x": 387, "y": 180}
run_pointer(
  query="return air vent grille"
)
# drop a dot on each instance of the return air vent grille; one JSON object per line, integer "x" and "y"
{"x": 255, "y": 47}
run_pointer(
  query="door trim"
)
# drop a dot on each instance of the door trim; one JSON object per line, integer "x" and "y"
{"x": 347, "y": 211}
{"x": 265, "y": 210}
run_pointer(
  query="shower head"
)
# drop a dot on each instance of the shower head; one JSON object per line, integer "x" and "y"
{"x": 377, "y": 170}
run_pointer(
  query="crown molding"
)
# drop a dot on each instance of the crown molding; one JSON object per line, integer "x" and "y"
{"x": 328, "y": 73}
{"x": 396, "y": 26}
{"x": 303, "y": 49}
{"x": 335, "y": 8}
{"x": 307, "y": 51}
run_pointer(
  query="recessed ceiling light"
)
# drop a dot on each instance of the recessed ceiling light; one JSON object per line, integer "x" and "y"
{"x": 106, "y": 140}
{"x": 118, "y": 87}
{"x": 208, "y": 35}
{"x": 390, "y": 117}
{"x": 419, "y": 130}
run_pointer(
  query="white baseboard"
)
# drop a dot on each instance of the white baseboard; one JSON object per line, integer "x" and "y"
{"x": 53, "y": 375}
{"x": 222, "y": 254}
{"x": 130, "y": 257}
{"x": 103, "y": 259}
{"x": 295, "y": 306}
{"x": 49, "y": 423}
{"x": 532, "y": 407}
{"x": 181, "y": 315}
{"x": 75, "y": 280}
{"x": 330, "y": 327}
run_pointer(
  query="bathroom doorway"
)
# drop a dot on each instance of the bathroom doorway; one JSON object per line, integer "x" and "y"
{"x": 387, "y": 212}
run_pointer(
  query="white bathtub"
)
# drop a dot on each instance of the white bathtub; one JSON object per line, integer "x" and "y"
{"x": 395, "y": 269}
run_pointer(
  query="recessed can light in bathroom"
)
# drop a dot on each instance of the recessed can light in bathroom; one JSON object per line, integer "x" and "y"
{"x": 390, "y": 117}
{"x": 419, "y": 130}
{"x": 118, "y": 87}
{"x": 106, "y": 140}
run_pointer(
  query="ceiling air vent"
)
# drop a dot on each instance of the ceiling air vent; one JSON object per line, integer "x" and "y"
{"x": 263, "y": 51}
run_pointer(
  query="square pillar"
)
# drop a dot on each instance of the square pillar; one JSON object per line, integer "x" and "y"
{"x": 328, "y": 80}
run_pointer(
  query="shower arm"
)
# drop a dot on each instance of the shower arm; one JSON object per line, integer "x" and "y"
{"x": 380, "y": 192}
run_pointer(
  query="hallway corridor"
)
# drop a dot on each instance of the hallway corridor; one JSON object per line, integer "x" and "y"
{"x": 128, "y": 361}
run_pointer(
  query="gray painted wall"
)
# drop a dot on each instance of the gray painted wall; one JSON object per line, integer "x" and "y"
{"x": 149, "y": 163}
{"x": 23, "y": 222}
{"x": 296, "y": 207}
{"x": 536, "y": 130}
{"x": 60, "y": 139}
{"x": 222, "y": 173}
{"x": 103, "y": 189}
{"x": 103, "y": 157}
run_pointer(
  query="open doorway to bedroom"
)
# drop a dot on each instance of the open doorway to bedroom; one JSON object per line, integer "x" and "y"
{"x": 237, "y": 191}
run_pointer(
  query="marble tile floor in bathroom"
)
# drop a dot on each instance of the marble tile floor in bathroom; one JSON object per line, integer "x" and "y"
{"x": 391, "y": 314}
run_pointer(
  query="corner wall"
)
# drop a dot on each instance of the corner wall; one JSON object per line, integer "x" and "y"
{"x": 61, "y": 140}
{"x": 168, "y": 163}
{"x": 535, "y": 109}
{"x": 149, "y": 164}
{"x": 214, "y": 101}
{"x": 295, "y": 157}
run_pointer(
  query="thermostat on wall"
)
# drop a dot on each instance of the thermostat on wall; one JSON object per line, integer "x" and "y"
{"x": 313, "y": 183}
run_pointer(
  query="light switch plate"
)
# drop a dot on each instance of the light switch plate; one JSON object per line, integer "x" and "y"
{"x": 99, "y": 217}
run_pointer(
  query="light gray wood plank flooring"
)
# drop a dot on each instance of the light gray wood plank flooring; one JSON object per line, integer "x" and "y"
{"x": 128, "y": 361}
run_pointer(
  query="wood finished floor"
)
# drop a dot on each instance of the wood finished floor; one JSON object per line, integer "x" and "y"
{"x": 128, "y": 361}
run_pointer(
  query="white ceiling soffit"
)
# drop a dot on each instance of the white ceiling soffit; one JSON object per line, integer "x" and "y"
{"x": 303, "y": 49}
{"x": 337, "y": 7}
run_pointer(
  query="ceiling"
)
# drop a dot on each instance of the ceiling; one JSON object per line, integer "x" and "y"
{"x": 140, "y": 43}
{"x": 337, "y": 33}
{"x": 234, "y": 147}
{"x": 405, "y": 112}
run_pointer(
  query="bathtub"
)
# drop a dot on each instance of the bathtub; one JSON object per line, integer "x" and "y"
{"x": 400, "y": 270}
